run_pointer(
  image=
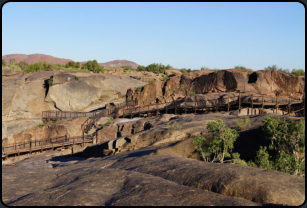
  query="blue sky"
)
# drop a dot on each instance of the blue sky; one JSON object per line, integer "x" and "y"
{"x": 184, "y": 35}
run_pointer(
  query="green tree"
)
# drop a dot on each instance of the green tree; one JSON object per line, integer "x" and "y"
{"x": 12, "y": 61}
{"x": 298, "y": 72}
{"x": 77, "y": 65}
{"x": 23, "y": 65}
{"x": 286, "y": 137}
{"x": 3, "y": 62}
{"x": 263, "y": 159}
{"x": 93, "y": 66}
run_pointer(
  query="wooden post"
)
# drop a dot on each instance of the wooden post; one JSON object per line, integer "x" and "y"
{"x": 185, "y": 106}
{"x": 175, "y": 107}
{"x": 289, "y": 110}
{"x": 276, "y": 104}
{"x": 262, "y": 104}
{"x": 195, "y": 105}
{"x": 228, "y": 104}
{"x": 252, "y": 106}
{"x": 239, "y": 100}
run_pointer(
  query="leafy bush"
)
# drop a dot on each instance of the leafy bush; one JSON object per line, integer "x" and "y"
{"x": 77, "y": 78}
{"x": 298, "y": 72}
{"x": 164, "y": 78}
{"x": 240, "y": 67}
{"x": 72, "y": 64}
{"x": 204, "y": 68}
{"x": 23, "y": 65}
{"x": 152, "y": 80}
{"x": 192, "y": 93}
{"x": 93, "y": 66}
{"x": 243, "y": 123}
{"x": 287, "y": 139}
{"x": 175, "y": 126}
{"x": 3, "y": 62}
{"x": 41, "y": 124}
{"x": 236, "y": 159}
{"x": 127, "y": 68}
{"x": 156, "y": 68}
{"x": 50, "y": 81}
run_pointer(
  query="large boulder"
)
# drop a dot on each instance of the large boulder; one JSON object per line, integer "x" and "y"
{"x": 87, "y": 91}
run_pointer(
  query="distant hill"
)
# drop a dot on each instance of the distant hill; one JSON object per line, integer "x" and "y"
{"x": 34, "y": 58}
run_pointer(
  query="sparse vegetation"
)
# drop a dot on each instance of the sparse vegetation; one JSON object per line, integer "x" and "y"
{"x": 93, "y": 66}
{"x": 175, "y": 126}
{"x": 241, "y": 67}
{"x": 127, "y": 68}
{"x": 164, "y": 78}
{"x": 42, "y": 124}
{"x": 77, "y": 78}
{"x": 50, "y": 81}
{"x": 108, "y": 122}
{"x": 156, "y": 68}
{"x": 3, "y": 62}
{"x": 287, "y": 140}
{"x": 152, "y": 80}
{"x": 243, "y": 123}
{"x": 192, "y": 93}
{"x": 297, "y": 72}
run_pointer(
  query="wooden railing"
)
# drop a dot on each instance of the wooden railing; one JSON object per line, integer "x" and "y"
{"x": 40, "y": 145}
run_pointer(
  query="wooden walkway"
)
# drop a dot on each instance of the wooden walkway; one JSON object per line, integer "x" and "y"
{"x": 130, "y": 108}
{"x": 41, "y": 145}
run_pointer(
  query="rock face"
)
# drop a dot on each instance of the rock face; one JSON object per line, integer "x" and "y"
{"x": 232, "y": 80}
{"x": 69, "y": 127}
{"x": 137, "y": 178}
{"x": 25, "y": 96}
{"x": 69, "y": 93}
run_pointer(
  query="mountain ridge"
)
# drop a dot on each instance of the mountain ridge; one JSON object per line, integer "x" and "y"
{"x": 37, "y": 57}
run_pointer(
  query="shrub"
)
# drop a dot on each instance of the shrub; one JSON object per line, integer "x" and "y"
{"x": 93, "y": 66}
{"x": 201, "y": 147}
{"x": 243, "y": 123}
{"x": 127, "y": 68}
{"x": 3, "y": 62}
{"x": 41, "y": 124}
{"x": 204, "y": 68}
{"x": 50, "y": 81}
{"x": 12, "y": 61}
{"x": 236, "y": 159}
{"x": 152, "y": 80}
{"x": 298, "y": 72}
{"x": 175, "y": 126}
{"x": 156, "y": 68}
{"x": 287, "y": 140}
{"x": 263, "y": 159}
{"x": 240, "y": 67}
{"x": 192, "y": 93}
{"x": 77, "y": 78}
{"x": 108, "y": 122}
{"x": 164, "y": 78}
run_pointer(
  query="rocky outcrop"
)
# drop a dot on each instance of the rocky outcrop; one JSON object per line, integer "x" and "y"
{"x": 69, "y": 93}
{"x": 25, "y": 96}
{"x": 69, "y": 127}
{"x": 138, "y": 178}
{"x": 232, "y": 80}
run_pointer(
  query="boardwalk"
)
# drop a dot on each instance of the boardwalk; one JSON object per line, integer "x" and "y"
{"x": 190, "y": 104}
